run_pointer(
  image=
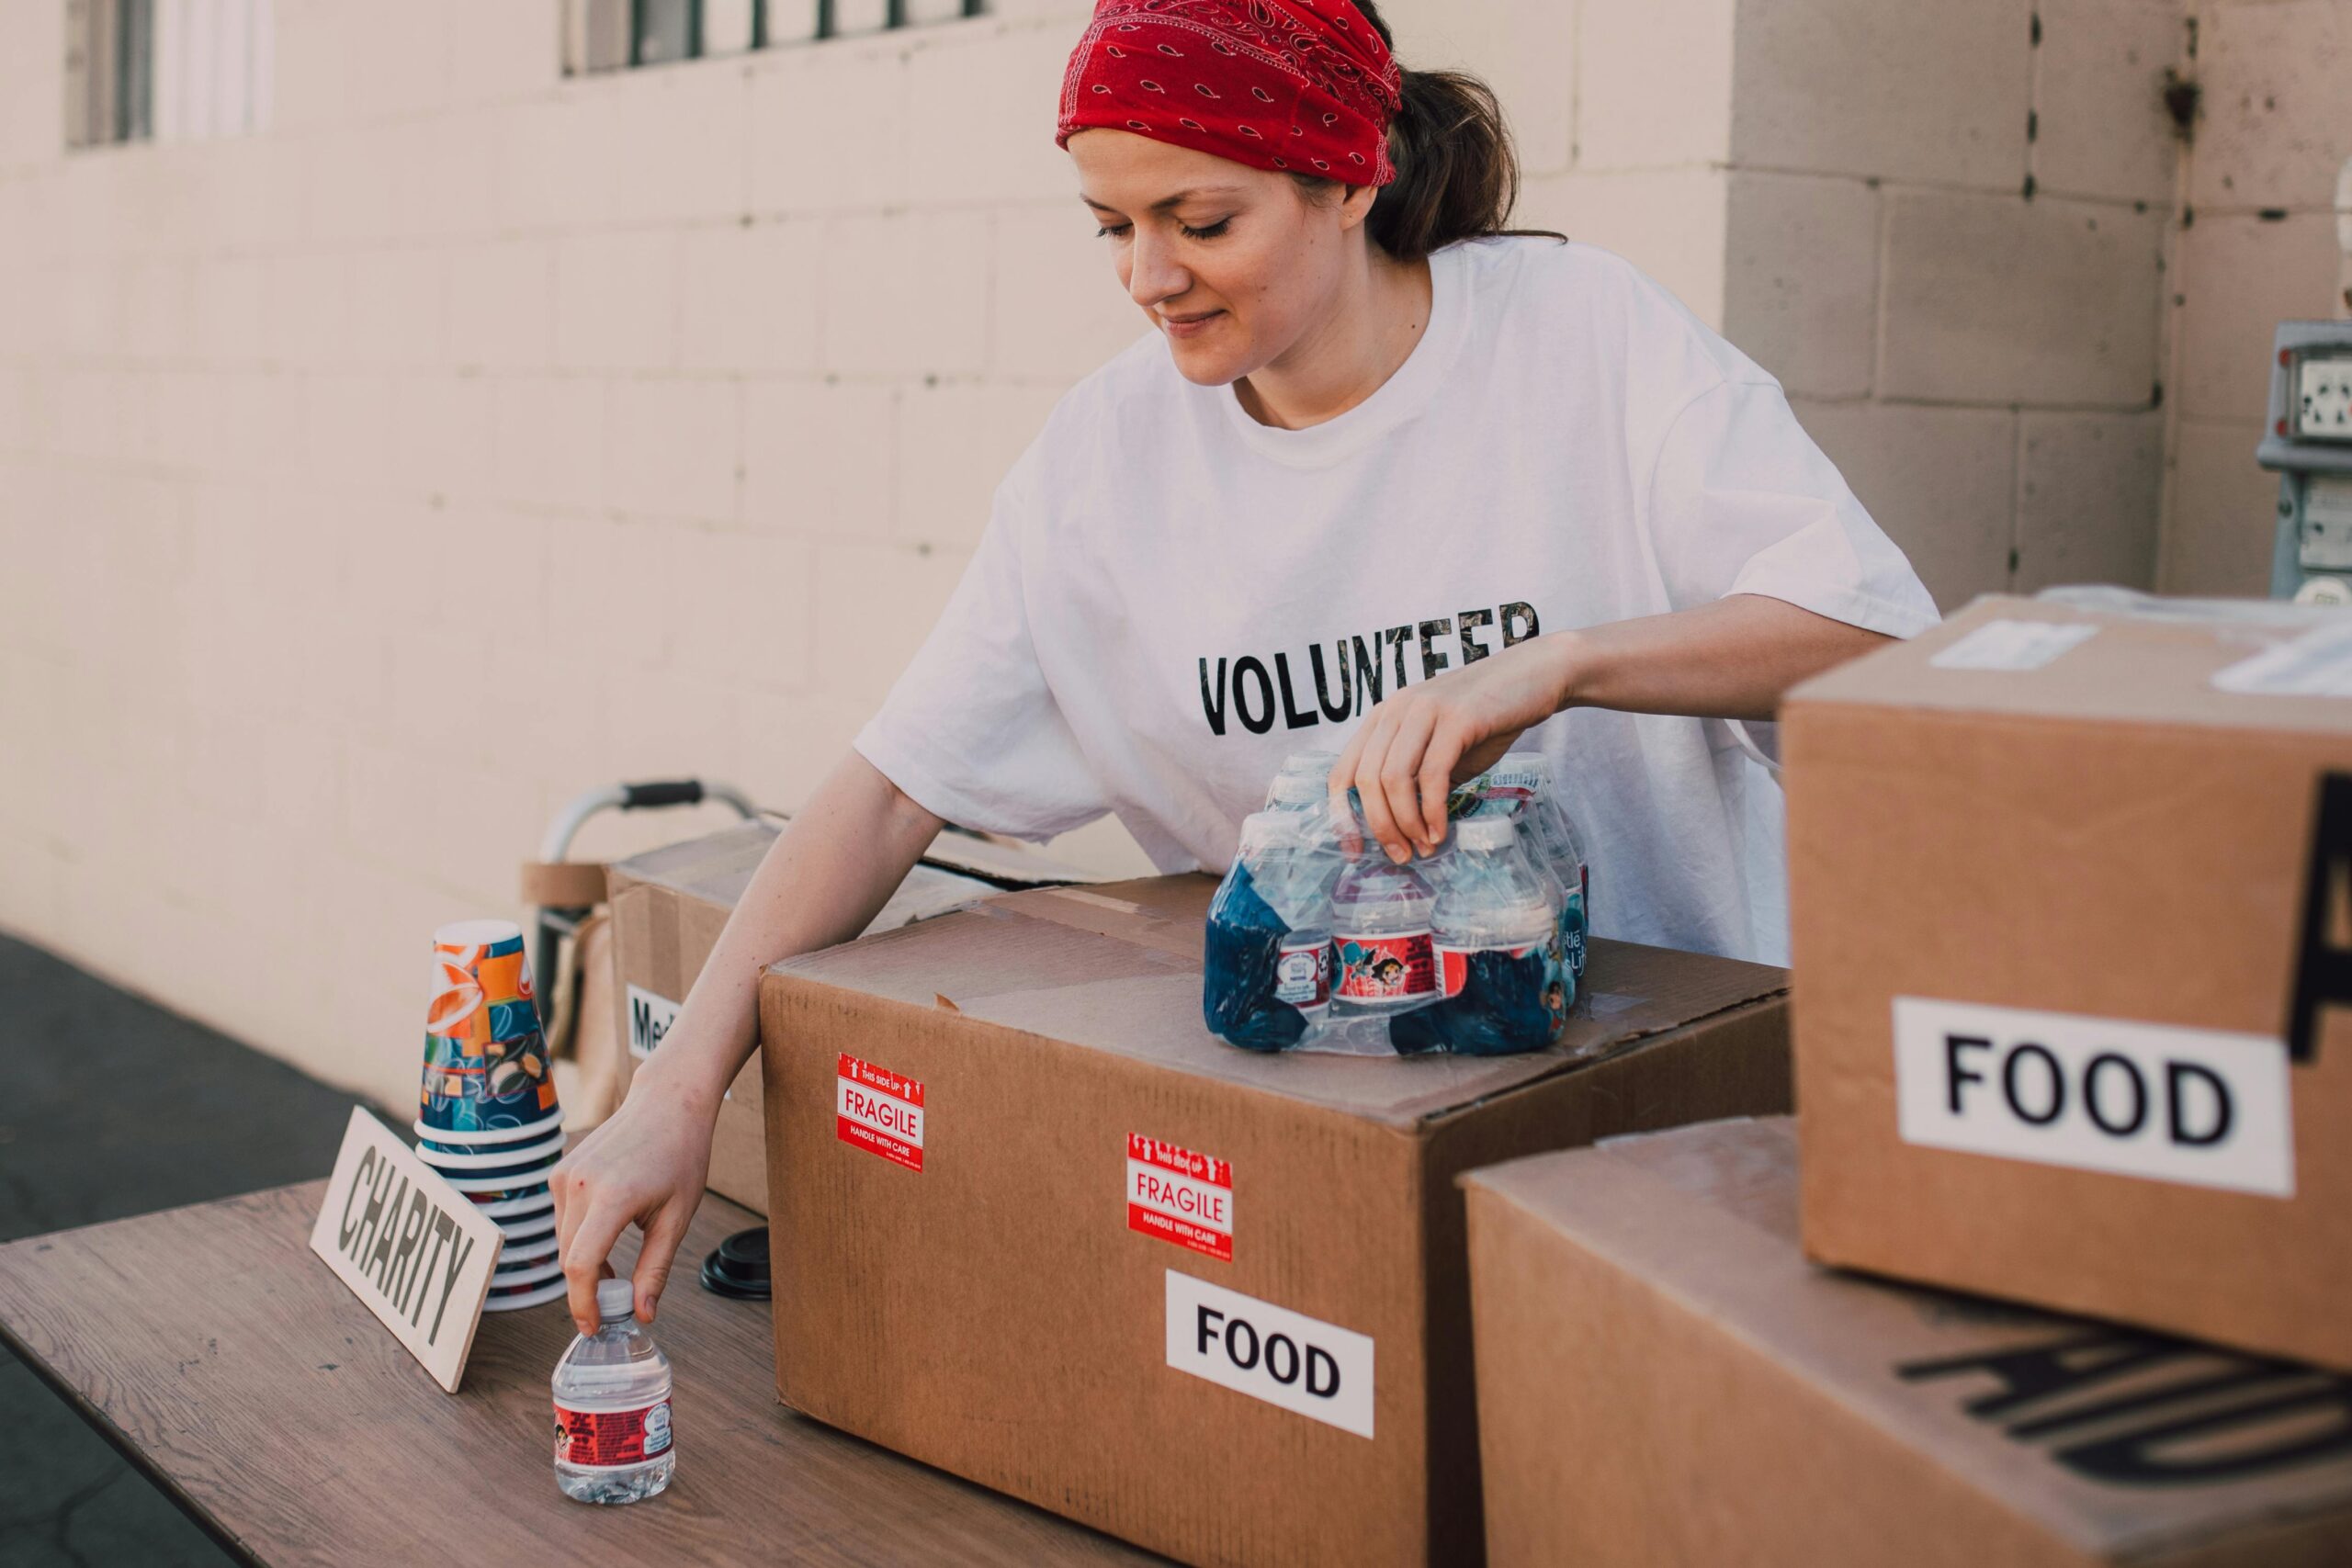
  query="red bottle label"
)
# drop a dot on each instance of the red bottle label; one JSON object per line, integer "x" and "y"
{"x": 1302, "y": 974}
{"x": 1453, "y": 965}
{"x": 1387, "y": 968}
{"x": 611, "y": 1438}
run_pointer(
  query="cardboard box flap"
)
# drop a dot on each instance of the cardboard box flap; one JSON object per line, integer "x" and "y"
{"x": 1165, "y": 913}
{"x": 2131, "y": 668}
{"x": 1004, "y": 864}
{"x": 715, "y": 870}
{"x": 2124, "y": 1444}
{"x": 1117, "y": 968}
{"x": 716, "y": 867}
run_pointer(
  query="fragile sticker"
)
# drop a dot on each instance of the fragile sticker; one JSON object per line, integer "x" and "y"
{"x": 878, "y": 1110}
{"x": 1180, "y": 1196}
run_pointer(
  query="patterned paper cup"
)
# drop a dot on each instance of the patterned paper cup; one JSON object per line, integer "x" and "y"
{"x": 526, "y": 1296}
{"x": 524, "y": 1226}
{"x": 477, "y": 1139}
{"x": 536, "y": 1201}
{"x": 539, "y": 1250}
{"x": 501, "y": 1184}
{"x": 504, "y": 1278}
{"x": 485, "y": 1060}
{"x": 496, "y": 1159}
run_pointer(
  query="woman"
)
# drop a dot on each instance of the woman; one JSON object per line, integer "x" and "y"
{"x": 1380, "y": 473}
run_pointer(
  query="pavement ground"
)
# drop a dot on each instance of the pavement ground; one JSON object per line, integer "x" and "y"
{"x": 110, "y": 1106}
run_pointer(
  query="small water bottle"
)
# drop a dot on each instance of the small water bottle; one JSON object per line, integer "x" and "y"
{"x": 1527, "y": 775}
{"x": 612, "y": 1407}
{"x": 1380, "y": 936}
{"x": 1494, "y": 928}
{"x": 1304, "y": 781}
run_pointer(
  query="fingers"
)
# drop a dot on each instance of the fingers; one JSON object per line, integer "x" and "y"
{"x": 1343, "y": 779}
{"x": 1435, "y": 778}
{"x": 658, "y": 1254}
{"x": 584, "y": 1261}
{"x": 560, "y": 1182}
{"x": 1388, "y": 779}
{"x": 1379, "y": 819}
{"x": 1400, "y": 776}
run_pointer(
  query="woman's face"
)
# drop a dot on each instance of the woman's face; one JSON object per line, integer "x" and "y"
{"x": 1233, "y": 264}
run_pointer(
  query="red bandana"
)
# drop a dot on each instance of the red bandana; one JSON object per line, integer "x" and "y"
{"x": 1302, "y": 86}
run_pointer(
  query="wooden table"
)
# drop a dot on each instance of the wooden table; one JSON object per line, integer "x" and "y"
{"x": 222, "y": 1357}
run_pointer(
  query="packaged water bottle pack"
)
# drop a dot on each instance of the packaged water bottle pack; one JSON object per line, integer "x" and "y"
{"x": 1318, "y": 941}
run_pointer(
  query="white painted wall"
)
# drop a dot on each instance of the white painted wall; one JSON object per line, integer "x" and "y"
{"x": 370, "y": 485}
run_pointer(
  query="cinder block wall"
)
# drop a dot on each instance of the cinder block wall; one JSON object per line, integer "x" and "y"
{"x": 370, "y": 486}
{"x": 1947, "y": 234}
{"x": 2259, "y": 247}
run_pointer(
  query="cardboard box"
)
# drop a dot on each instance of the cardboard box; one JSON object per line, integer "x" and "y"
{"x": 669, "y": 906}
{"x": 1043, "y": 1231}
{"x": 2072, "y": 900}
{"x": 1663, "y": 1378}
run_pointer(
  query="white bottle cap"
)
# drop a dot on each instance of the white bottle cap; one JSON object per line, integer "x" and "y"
{"x": 615, "y": 1298}
{"x": 1299, "y": 789}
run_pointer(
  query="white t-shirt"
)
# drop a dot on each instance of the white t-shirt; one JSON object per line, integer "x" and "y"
{"x": 1171, "y": 597}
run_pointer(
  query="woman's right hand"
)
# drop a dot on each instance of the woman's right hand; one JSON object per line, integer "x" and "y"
{"x": 645, "y": 1166}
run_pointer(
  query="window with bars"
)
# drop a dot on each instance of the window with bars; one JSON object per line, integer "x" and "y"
{"x": 615, "y": 35}
{"x": 166, "y": 70}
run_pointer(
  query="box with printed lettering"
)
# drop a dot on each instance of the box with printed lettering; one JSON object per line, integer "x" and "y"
{"x": 2071, "y": 912}
{"x": 670, "y": 905}
{"x": 1663, "y": 1379}
{"x": 1043, "y": 1230}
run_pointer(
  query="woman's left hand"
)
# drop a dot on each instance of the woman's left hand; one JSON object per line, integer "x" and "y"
{"x": 1415, "y": 746}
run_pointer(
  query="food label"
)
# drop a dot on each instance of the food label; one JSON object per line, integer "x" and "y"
{"x": 1180, "y": 1196}
{"x": 1317, "y": 1370}
{"x": 1387, "y": 968}
{"x": 609, "y": 1439}
{"x": 1302, "y": 974}
{"x": 879, "y": 1111}
{"x": 2196, "y": 1106}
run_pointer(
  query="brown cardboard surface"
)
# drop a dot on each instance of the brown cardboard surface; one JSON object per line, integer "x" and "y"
{"x": 669, "y": 906}
{"x": 1118, "y": 968}
{"x": 994, "y": 1313}
{"x": 1663, "y": 1378}
{"x": 2111, "y": 840}
{"x": 2137, "y": 670}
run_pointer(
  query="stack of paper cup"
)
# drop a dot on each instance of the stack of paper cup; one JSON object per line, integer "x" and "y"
{"x": 487, "y": 1115}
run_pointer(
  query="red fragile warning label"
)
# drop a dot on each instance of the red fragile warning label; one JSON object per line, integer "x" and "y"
{"x": 878, "y": 1110}
{"x": 1179, "y": 1195}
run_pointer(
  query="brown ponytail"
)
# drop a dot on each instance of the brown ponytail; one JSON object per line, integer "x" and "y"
{"x": 1457, "y": 173}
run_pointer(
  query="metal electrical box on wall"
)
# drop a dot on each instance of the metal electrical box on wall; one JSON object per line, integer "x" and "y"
{"x": 2307, "y": 441}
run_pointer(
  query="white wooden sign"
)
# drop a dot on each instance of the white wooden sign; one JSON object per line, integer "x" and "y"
{"x": 411, "y": 1247}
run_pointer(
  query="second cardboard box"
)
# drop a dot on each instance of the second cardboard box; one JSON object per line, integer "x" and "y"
{"x": 1032, "y": 1225}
